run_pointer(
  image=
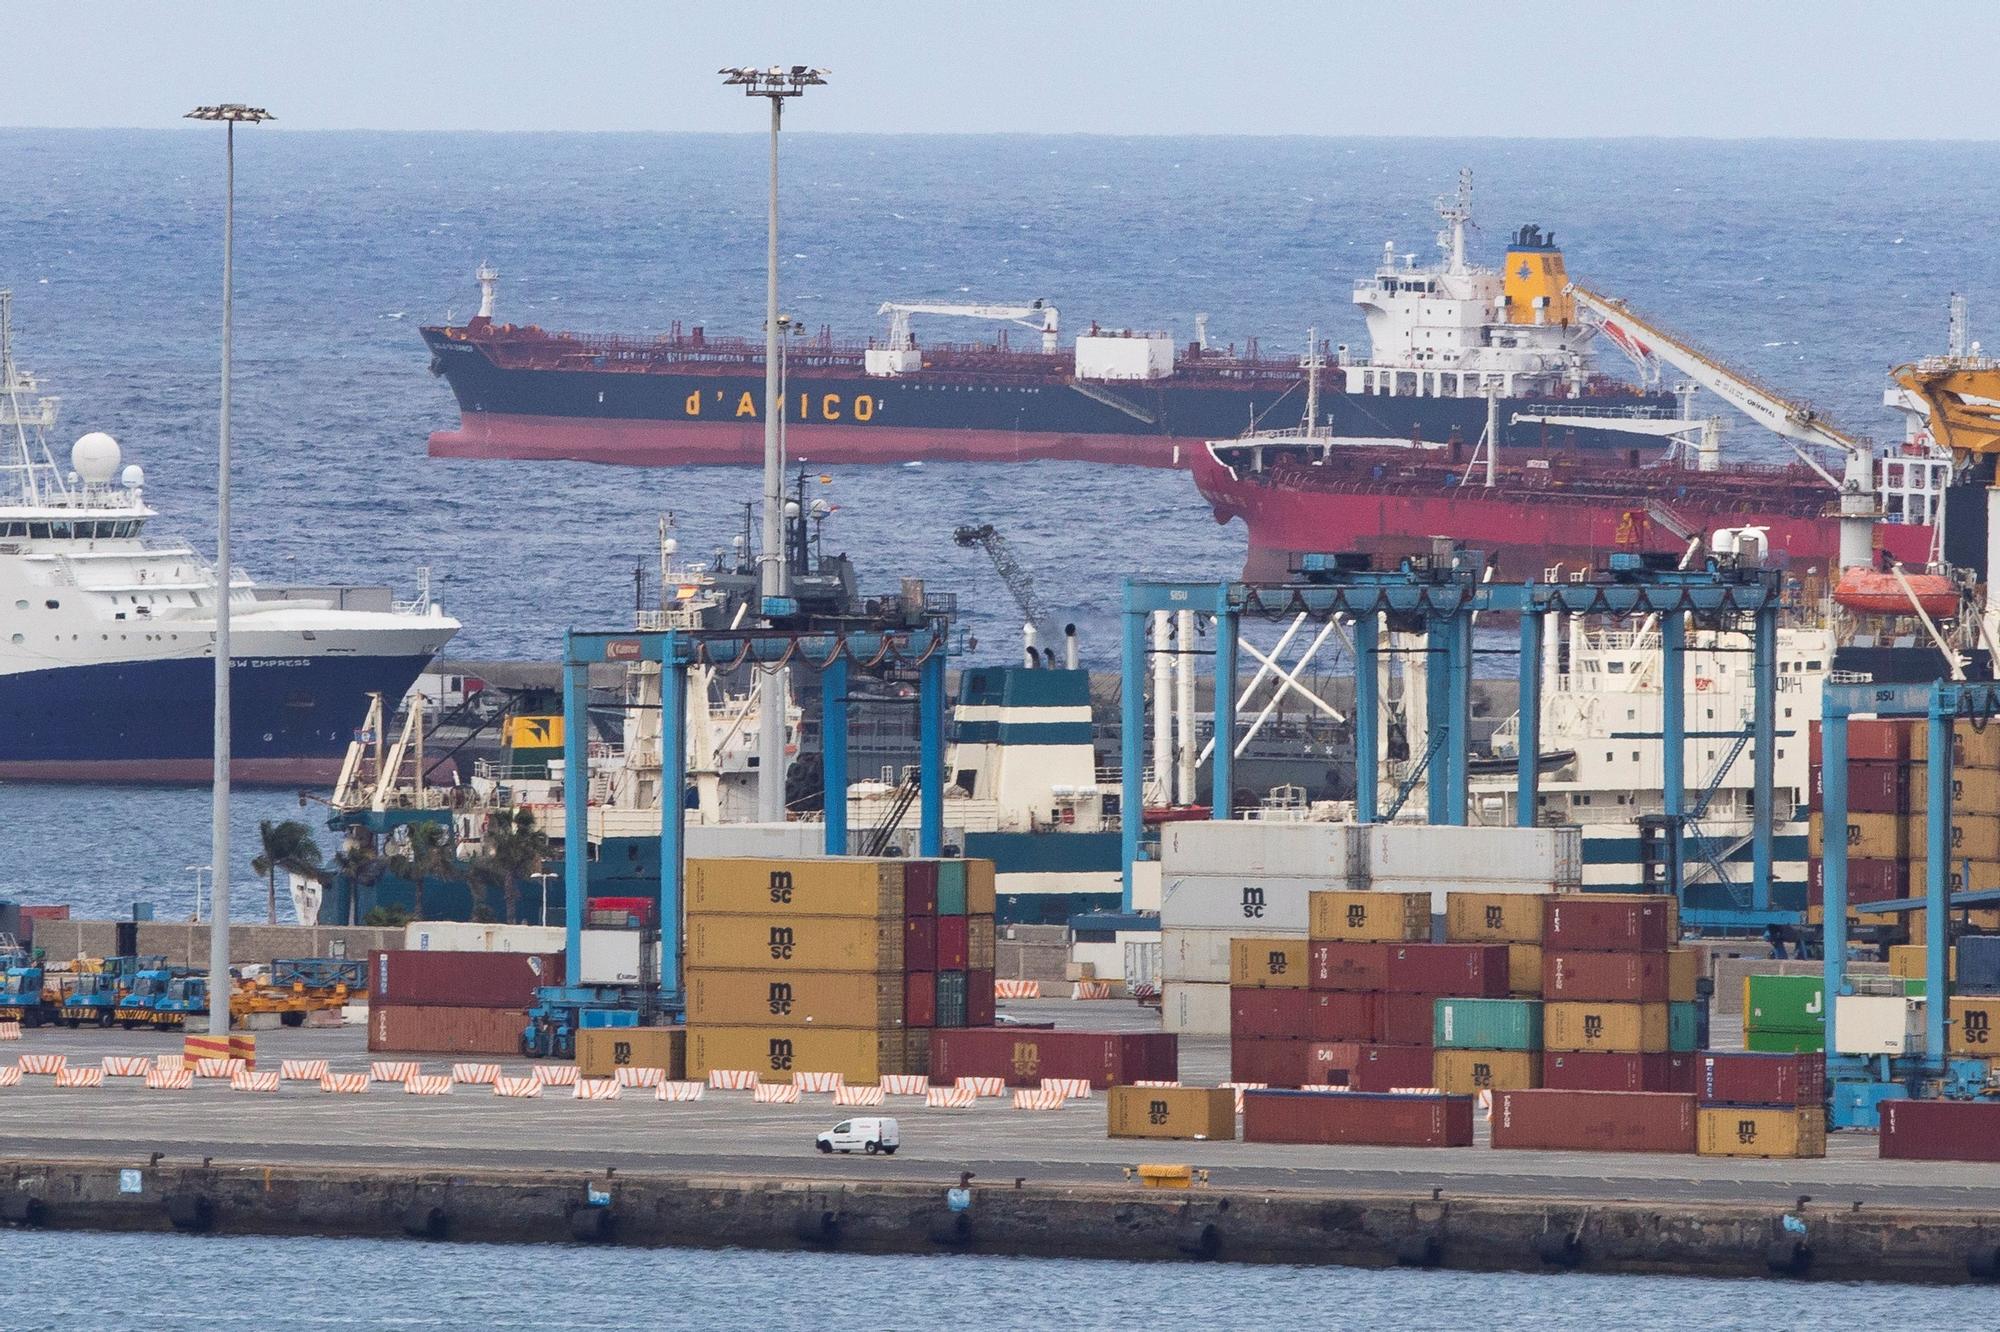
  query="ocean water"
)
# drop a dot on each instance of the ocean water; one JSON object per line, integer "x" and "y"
{"x": 167, "y": 1283}
{"x": 1813, "y": 265}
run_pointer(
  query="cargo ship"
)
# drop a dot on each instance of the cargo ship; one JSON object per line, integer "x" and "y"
{"x": 1440, "y": 338}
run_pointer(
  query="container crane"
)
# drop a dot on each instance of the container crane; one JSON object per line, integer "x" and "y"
{"x": 1040, "y": 316}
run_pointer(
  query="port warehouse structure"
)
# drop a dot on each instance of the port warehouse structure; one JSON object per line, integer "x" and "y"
{"x": 1440, "y": 596}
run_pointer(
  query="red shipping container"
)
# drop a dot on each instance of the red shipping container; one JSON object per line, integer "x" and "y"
{"x": 920, "y": 880}
{"x": 953, "y": 937}
{"x": 442, "y": 1029}
{"x": 920, "y": 951}
{"x": 1265, "y": 1013}
{"x": 1409, "y": 1019}
{"x": 1331, "y": 1063}
{"x": 406, "y": 978}
{"x": 1641, "y": 925}
{"x": 1867, "y": 881}
{"x": 1472, "y": 971}
{"x": 1739, "y": 1078}
{"x": 1274, "y": 1062}
{"x": 979, "y": 998}
{"x": 1343, "y": 1015}
{"x": 1384, "y": 1068}
{"x": 920, "y": 999}
{"x": 1940, "y": 1131}
{"x": 1380, "y": 1121}
{"x": 1024, "y": 1056}
{"x": 31, "y": 914}
{"x": 1873, "y": 787}
{"x": 1616, "y": 978}
{"x": 1594, "y": 1121}
{"x": 1599, "y": 1070}
{"x": 1883, "y": 740}
{"x": 1347, "y": 966}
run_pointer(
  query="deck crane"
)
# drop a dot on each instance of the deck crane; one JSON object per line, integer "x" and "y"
{"x": 1020, "y": 583}
{"x": 1041, "y": 316}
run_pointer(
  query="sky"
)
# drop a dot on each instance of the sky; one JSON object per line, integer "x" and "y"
{"x": 1504, "y": 68}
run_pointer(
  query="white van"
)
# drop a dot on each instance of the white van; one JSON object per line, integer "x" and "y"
{"x": 873, "y": 1134}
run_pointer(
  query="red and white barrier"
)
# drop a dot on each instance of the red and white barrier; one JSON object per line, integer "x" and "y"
{"x": 394, "y": 1070}
{"x": 475, "y": 1075}
{"x": 776, "y": 1093}
{"x": 845, "y": 1095}
{"x": 732, "y": 1079}
{"x": 10, "y": 1031}
{"x": 428, "y": 1084}
{"x": 1030, "y": 1098}
{"x": 217, "y": 1068}
{"x": 1240, "y": 1087}
{"x": 345, "y": 1084}
{"x": 1483, "y": 1102}
{"x": 984, "y": 1086}
{"x": 819, "y": 1082}
{"x": 302, "y": 1070}
{"x": 1415, "y": 1091}
{"x": 950, "y": 1098}
{"x": 1092, "y": 990}
{"x": 80, "y": 1077}
{"x": 127, "y": 1066}
{"x": 556, "y": 1075}
{"x": 43, "y": 1065}
{"x": 905, "y": 1084}
{"x": 680, "y": 1091}
{"x": 1326, "y": 1087}
{"x": 596, "y": 1089}
{"x": 1017, "y": 989}
{"x": 170, "y": 1079}
{"x": 641, "y": 1077}
{"x": 1162, "y": 1082}
{"x": 526, "y": 1089}
{"x": 10, "y": 1076}
{"x": 1070, "y": 1089}
{"x": 170, "y": 1063}
{"x": 247, "y": 1081}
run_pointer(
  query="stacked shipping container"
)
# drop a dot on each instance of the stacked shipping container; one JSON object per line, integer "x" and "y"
{"x": 454, "y": 1003}
{"x": 1762, "y": 1104}
{"x": 1620, "y": 1003}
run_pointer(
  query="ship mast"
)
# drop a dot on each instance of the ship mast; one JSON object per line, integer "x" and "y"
{"x": 15, "y": 417}
{"x": 1312, "y": 361}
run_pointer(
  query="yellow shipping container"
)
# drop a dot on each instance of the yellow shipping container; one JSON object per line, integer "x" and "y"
{"x": 1172, "y": 1112}
{"x": 979, "y": 943}
{"x": 794, "y": 943}
{"x": 1974, "y": 837}
{"x": 980, "y": 897}
{"x": 1509, "y": 918}
{"x": 809, "y": 886}
{"x": 1466, "y": 1071}
{"x": 1908, "y": 960}
{"x": 1973, "y": 791}
{"x": 775, "y": 1053}
{"x": 1970, "y": 747}
{"x": 602, "y": 1051}
{"x": 1524, "y": 969}
{"x": 1272, "y": 964}
{"x": 819, "y": 998}
{"x": 1869, "y": 836}
{"x": 1742, "y": 1131}
{"x": 1975, "y": 1027}
{"x": 1683, "y": 970}
{"x": 1363, "y": 917}
{"x": 1619, "y": 1028}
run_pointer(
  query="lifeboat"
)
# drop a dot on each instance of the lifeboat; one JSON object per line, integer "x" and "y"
{"x": 1874, "y": 593}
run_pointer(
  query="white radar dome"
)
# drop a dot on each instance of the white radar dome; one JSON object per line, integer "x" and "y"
{"x": 132, "y": 477}
{"x": 95, "y": 458}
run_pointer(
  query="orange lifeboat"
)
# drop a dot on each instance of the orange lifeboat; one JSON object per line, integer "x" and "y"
{"x": 1874, "y": 593}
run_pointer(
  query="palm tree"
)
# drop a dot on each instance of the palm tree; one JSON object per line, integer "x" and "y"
{"x": 363, "y": 865}
{"x": 287, "y": 846}
{"x": 516, "y": 849}
{"x": 426, "y": 855}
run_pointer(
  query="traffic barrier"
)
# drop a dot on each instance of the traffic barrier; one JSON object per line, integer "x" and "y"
{"x": 10, "y": 1076}
{"x": 1159, "y": 1082}
{"x": 230, "y": 1045}
{"x": 984, "y": 1086}
{"x": 1483, "y": 1102}
{"x": 80, "y": 1077}
{"x": 1017, "y": 989}
{"x": 596, "y": 1089}
{"x": 776, "y": 1093}
{"x": 680, "y": 1091}
{"x": 819, "y": 1082}
{"x": 170, "y": 1063}
{"x": 247, "y": 1081}
{"x": 217, "y": 1068}
{"x": 556, "y": 1075}
{"x": 845, "y": 1095}
{"x": 905, "y": 1084}
{"x": 170, "y": 1079}
{"x": 345, "y": 1084}
{"x": 1324, "y": 1087}
{"x": 10, "y": 1031}
{"x": 641, "y": 1077}
{"x": 428, "y": 1084}
{"x": 526, "y": 1089}
{"x": 1030, "y": 1098}
{"x": 475, "y": 1075}
{"x": 302, "y": 1070}
{"x": 732, "y": 1079}
{"x": 388, "y": 1070}
{"x": 1415, "y": 1091}
{"x": 1240, "y": 1087}
{"x": 127, "y": 1066}
{"x": 1092, "y": 990}
{"x": 1070, "y": 1089}
{"x": 950, "y": 1098}
{"x": 43, "y": 1065}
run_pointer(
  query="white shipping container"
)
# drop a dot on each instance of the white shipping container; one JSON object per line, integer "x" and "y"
{"x": 1142, "y": 962}
{"x": 1479, "y": 858}
{"x": 1439, "y": 889}
{"x": 1331, "y": 851}
{"x": 526, "y": 938}
{"x": 1195, "y": 1009}
{"x": 609, "y": 957}
{"x": 1874, "y": 1024}
{"x": 1203, "y": 955}
{"x": 1106, "y": 959}
{"x": 1246, "y": 904}
{"x": 447, "y": 936}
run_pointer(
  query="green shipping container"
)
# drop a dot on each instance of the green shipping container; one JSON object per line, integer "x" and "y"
{"x": 1784, "y": 1003}
{"x": 1487, "y": 1024}
{"x": 1683, "y": 1027}
{"x": 1914, "y": 989}
{"x": 1784, "y": 1042}
{"x": 951, "y": 888}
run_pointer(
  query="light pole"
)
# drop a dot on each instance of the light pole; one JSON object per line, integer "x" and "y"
{"x": 230, "y": 114}
{"x": 543, "y": 879}
{"x": 199, "y": 870}
{"x": 776, "y": 83}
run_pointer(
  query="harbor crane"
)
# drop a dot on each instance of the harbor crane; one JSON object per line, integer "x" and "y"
{"x": 1020, "y": 584}
{"x": 1041, "y": 316}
